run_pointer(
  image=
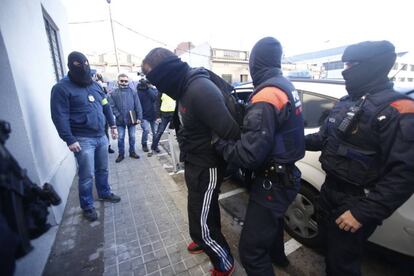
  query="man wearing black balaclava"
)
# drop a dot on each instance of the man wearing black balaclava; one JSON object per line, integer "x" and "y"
{"x": 271, "y": 142}
{"x": 202, "y": 113}
{"x": 79, "y": 111}
{"x": 367, "y": 145}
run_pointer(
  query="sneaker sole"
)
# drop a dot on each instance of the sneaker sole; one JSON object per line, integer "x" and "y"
{"x": 195, "y": 252}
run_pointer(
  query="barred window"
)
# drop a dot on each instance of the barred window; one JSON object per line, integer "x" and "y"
{"x": 52, "y": 35}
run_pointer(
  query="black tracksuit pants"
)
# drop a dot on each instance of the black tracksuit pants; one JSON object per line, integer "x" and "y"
{"x": 343, "y": 249}
{"x": 204, "y": 214}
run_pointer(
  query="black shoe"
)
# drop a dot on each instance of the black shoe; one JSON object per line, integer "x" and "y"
{"x": 110, "y": 150}
{"x": 119, "y": 159}
{"x": 282, "y": 262}
{"x": 134, "y": 155}
{"x": 111, "y": 198}
{"x": 90, "y": 214}
{"x": 157, "y": 150}
{"x": 145, "y": 148}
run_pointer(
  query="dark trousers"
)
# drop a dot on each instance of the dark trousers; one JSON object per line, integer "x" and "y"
{"x": 204, "y": 214}
{"x": 165, "y": 119}
{"x": 261, "y": 240}
{"x": 344, "y": 249}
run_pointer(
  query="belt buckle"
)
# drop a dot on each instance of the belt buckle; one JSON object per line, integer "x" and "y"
{"x": 267, "y": 184}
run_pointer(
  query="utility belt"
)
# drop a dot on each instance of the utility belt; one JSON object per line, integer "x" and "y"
{"x": 276, "y": 173}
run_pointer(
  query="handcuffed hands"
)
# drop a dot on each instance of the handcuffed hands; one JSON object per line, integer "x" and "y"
{"x": 348, "y": 222}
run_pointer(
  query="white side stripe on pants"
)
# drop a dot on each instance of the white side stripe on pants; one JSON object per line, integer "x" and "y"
{"x": 204, "y": 214}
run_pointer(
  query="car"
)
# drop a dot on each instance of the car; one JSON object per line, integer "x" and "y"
{"x": 318, "y": 97}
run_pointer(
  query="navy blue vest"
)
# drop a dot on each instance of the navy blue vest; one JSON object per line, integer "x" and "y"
{"x": 356, "y": 157}
{"x": 289, "y": 139}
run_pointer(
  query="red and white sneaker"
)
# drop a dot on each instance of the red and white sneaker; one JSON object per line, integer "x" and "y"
{"x": 194, "y": 248}
{"x": 215, "y": 272}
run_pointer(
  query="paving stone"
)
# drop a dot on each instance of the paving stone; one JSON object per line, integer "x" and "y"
{"x": 145, "y": 234}
{"x": 147, "y": 249}
{"x": 152, "y": 266}
{"x": 179, "y": 267}
{"x": 167, "y": 271}
{"x": 163, "y": 261}
{"x": 149, "y": 257}
{"x": 195, "y": 271}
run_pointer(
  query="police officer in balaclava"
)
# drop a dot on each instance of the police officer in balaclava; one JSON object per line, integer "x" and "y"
{"x": 79, "y": 69}
{"x": 79, "y": 110}
{"x": 367, "y": 149}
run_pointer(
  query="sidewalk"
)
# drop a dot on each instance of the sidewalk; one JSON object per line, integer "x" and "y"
{"x": 145, "y": 234}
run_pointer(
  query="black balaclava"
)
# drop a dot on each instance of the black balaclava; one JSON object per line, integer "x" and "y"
{"x": 169, "y": 76}
{"x": 265, "y": 60}
{"x": 371, "y": 61}
{"x": 81, "y": 75}
{"x": 143, "y": 84}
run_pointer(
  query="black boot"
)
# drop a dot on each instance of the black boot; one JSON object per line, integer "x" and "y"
{"x": 119, "y": 159}
{"x": 110, "y": 150}
{"x": 145, "y": 148}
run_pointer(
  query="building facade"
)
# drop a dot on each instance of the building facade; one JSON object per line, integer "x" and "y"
{"x": 231, "y": 65}
{"x": 105, "y": 63}
{"x": 34, "y": 45}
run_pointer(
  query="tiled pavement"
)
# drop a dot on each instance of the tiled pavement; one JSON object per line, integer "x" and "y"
{"x": 146, "y": 233}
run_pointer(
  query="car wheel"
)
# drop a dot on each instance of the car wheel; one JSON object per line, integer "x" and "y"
{"x": 300, "y": 218}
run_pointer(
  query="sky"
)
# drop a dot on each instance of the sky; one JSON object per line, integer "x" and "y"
{"x": 300, "y": 25}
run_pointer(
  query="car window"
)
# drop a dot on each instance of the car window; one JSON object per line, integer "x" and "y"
{"x": 315, "y": 109}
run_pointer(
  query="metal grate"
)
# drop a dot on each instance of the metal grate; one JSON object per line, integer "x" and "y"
{"x": 52, "y": 35}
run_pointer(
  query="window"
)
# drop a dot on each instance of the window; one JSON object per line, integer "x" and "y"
{"x": 227, "y": 77}
{"x": 410, "y": 79}
{"x": 52, "y": 35}
{"x": 243, "y": 78}
{"x": 333, "y": 65}
{"x": 412, "y": 67}
{"x": 401, "y": 79}
{"x": 404, "y": 67}
{"x": 315, "y": 109}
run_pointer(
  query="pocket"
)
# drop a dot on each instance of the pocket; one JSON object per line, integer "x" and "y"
{"x": 350, "y": 164}
{"x": 92, "y": 120}
{"x": 78, "y": 119}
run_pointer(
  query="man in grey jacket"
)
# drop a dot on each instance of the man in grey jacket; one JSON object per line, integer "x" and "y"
{"x": 128, "y": 112}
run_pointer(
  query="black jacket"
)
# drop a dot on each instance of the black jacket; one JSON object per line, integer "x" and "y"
{"x": 202, "y": 113}
{"x": 390, "y": 135}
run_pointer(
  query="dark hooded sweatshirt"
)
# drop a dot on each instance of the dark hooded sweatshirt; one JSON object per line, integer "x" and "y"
{"x": 200, "y": 108}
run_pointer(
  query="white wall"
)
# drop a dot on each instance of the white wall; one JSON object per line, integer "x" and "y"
{"x": 26, "y": 79}
{"x": 34, "y": 140}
